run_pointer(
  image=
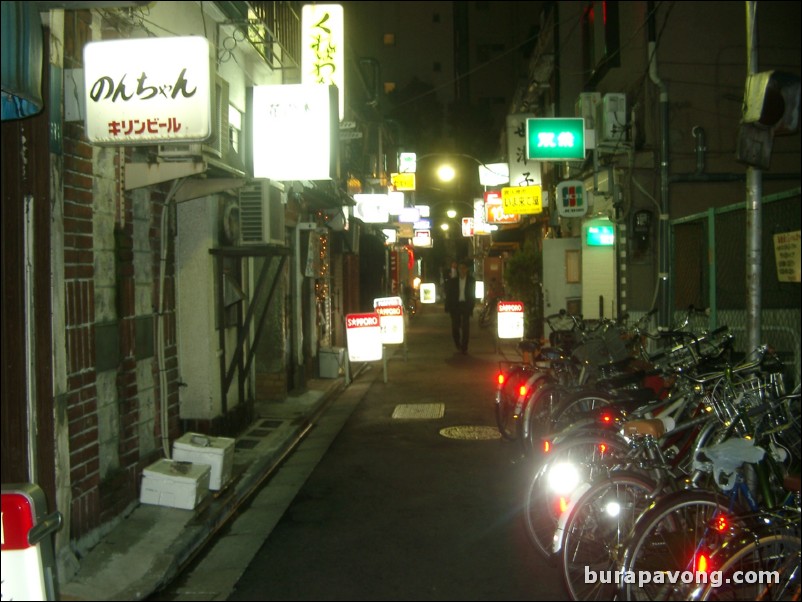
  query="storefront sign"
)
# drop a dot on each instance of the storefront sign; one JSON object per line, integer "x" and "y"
{"x": 391, "y": 319}
{"x": 323, "y": 48}
{"x": 510, "y": 319}
{"x": 364, "y": 337}
{"x": 148, "y": 90}
{"x": 522, "y": 200}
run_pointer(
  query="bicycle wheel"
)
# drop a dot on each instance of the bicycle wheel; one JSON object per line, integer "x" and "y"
{"x": 575, "y": 405}
{"x": 536, "y": 419}
{"x": 668, "y": 539}
{"x": 507, "y": 401}
{"x": 578, "y": 460}
{"x": 596, "y": 530}
{"x": 772, "y": 562}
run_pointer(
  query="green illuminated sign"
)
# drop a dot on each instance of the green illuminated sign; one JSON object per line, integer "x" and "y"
{"x": 555, "y": 139}
{"x": 599, "y": 235}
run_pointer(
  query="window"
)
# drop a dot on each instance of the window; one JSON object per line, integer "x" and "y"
{"x": 234, "y": 128}
{"x": 600, "y": 40}
{"x": 389, "y": 87}
{"x": 388, "y": 39}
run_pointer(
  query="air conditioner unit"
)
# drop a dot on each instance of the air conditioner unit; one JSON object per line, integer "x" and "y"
{"x": 261, "y": 212}
{"x": 217, "y": 145}
{"x": 611, "y": 120}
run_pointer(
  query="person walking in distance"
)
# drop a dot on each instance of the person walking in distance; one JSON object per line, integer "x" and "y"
{"x": 460, "y": 300}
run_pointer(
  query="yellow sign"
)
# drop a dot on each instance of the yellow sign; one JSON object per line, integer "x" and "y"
{"x": 786, "y": 256}
{"x": 522, "y": 200}
{"x": 403, "y": 181}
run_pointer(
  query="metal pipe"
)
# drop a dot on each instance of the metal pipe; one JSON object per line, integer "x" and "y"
{"x": 664, "y": 300}
{"x": 699, "y": 134}
{"x": 754, "y": 215}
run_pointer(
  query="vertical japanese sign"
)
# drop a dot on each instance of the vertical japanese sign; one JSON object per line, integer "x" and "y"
{"x": 523, "y": 171}
{"x": 364, "y": 337}
{"x": 148, "y": 90}
{"x": 786, "y": 255}
{"x": 323, "y": 47}
{"x": 394, "y": 272}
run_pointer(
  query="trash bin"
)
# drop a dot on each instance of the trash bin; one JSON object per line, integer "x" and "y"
{"x": 331, "y": 361}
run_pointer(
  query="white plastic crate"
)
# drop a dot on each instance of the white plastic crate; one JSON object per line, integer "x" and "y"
{"x": 175, "y": 484}
{"x": 217, "y": 452}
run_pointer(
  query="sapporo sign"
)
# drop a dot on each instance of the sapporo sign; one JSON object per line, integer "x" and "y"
{"x": 521, "y": 200}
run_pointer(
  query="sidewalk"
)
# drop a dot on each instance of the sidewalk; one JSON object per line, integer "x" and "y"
{"x": 150, "y": 546}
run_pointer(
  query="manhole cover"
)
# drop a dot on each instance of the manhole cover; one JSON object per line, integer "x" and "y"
{"x": 475, "y": 433}
{"x": 426, "y": 411}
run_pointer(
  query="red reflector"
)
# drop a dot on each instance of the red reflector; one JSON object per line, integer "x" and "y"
{"x": 607, "y": 418}
{"x": 500, "y": 378}
{"x": 522, "y": 390}
{"x": 563, "y": 505}
{"x": 546, "y": 447}
{"x": 602, "y": 447}
{"x": 702, "y": 564}
{"x": 720, "y": 523}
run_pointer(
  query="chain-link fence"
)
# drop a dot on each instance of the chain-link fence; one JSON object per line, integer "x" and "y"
{"x": 709, "y": 270}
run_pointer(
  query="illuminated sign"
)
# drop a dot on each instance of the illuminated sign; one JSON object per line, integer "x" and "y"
{"x": 148, "y": 90}
{"x": 494, "y": 174}
{"x": 323, "y": 48}
{"x": 599, "y": 234}
{"x": 372, "y": 208}
{"x": 467, "y": 226}
{"x": 510, "y": 319}
{"x": 304, "y": 118}
{"x": 522, "y": 200}
{"x": 494, "y": 210}
{"x": 428, "y": 292}
{"x": 570, "y": 199}
{"x": 391, "y": 319}
{"x": 407, "y": 162}
{"x": 403, "y": 181}
{"x": 364, "y": 337}
{"x": 555, "y": 139}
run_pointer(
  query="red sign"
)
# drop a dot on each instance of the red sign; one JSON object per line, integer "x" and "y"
{"x": 494, "y": 210}
{"x": 362, "y": 320}
{"x": 510, "y": 306}
{"x": 389, "y": 310}
{"x": 394, "y": 272}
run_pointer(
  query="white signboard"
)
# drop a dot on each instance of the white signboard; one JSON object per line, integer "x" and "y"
{"x": 428, "y": 292}
{"x": 148, "y": 90}
{"x": 510, "y": 319}
{"x": 391, "y": 319}
{"x": 372, "y": 208}
{"x": 364, "y": 337}
{"x": 323, "y": 48}
{"x": 523, "y": 171}
{"x": 295, "y": 132}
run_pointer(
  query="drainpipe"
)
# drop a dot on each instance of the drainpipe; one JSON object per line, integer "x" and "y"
{"x": 699, "y": 134}
{"x": 664, "y": 301}
{"x": 754, "y": 216}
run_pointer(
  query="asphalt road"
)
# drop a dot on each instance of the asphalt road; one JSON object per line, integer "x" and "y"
{"x": 416, "y": 497}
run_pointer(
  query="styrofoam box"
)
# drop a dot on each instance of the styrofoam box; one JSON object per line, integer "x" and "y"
{"x": 217, "y": 452}
{"x": 175, "y": 484}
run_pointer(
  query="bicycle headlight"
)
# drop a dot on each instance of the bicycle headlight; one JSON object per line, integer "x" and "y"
{"x": 563, "y": 478}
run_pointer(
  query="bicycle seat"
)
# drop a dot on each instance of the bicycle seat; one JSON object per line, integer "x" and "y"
{"x": 646, "y": 426}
